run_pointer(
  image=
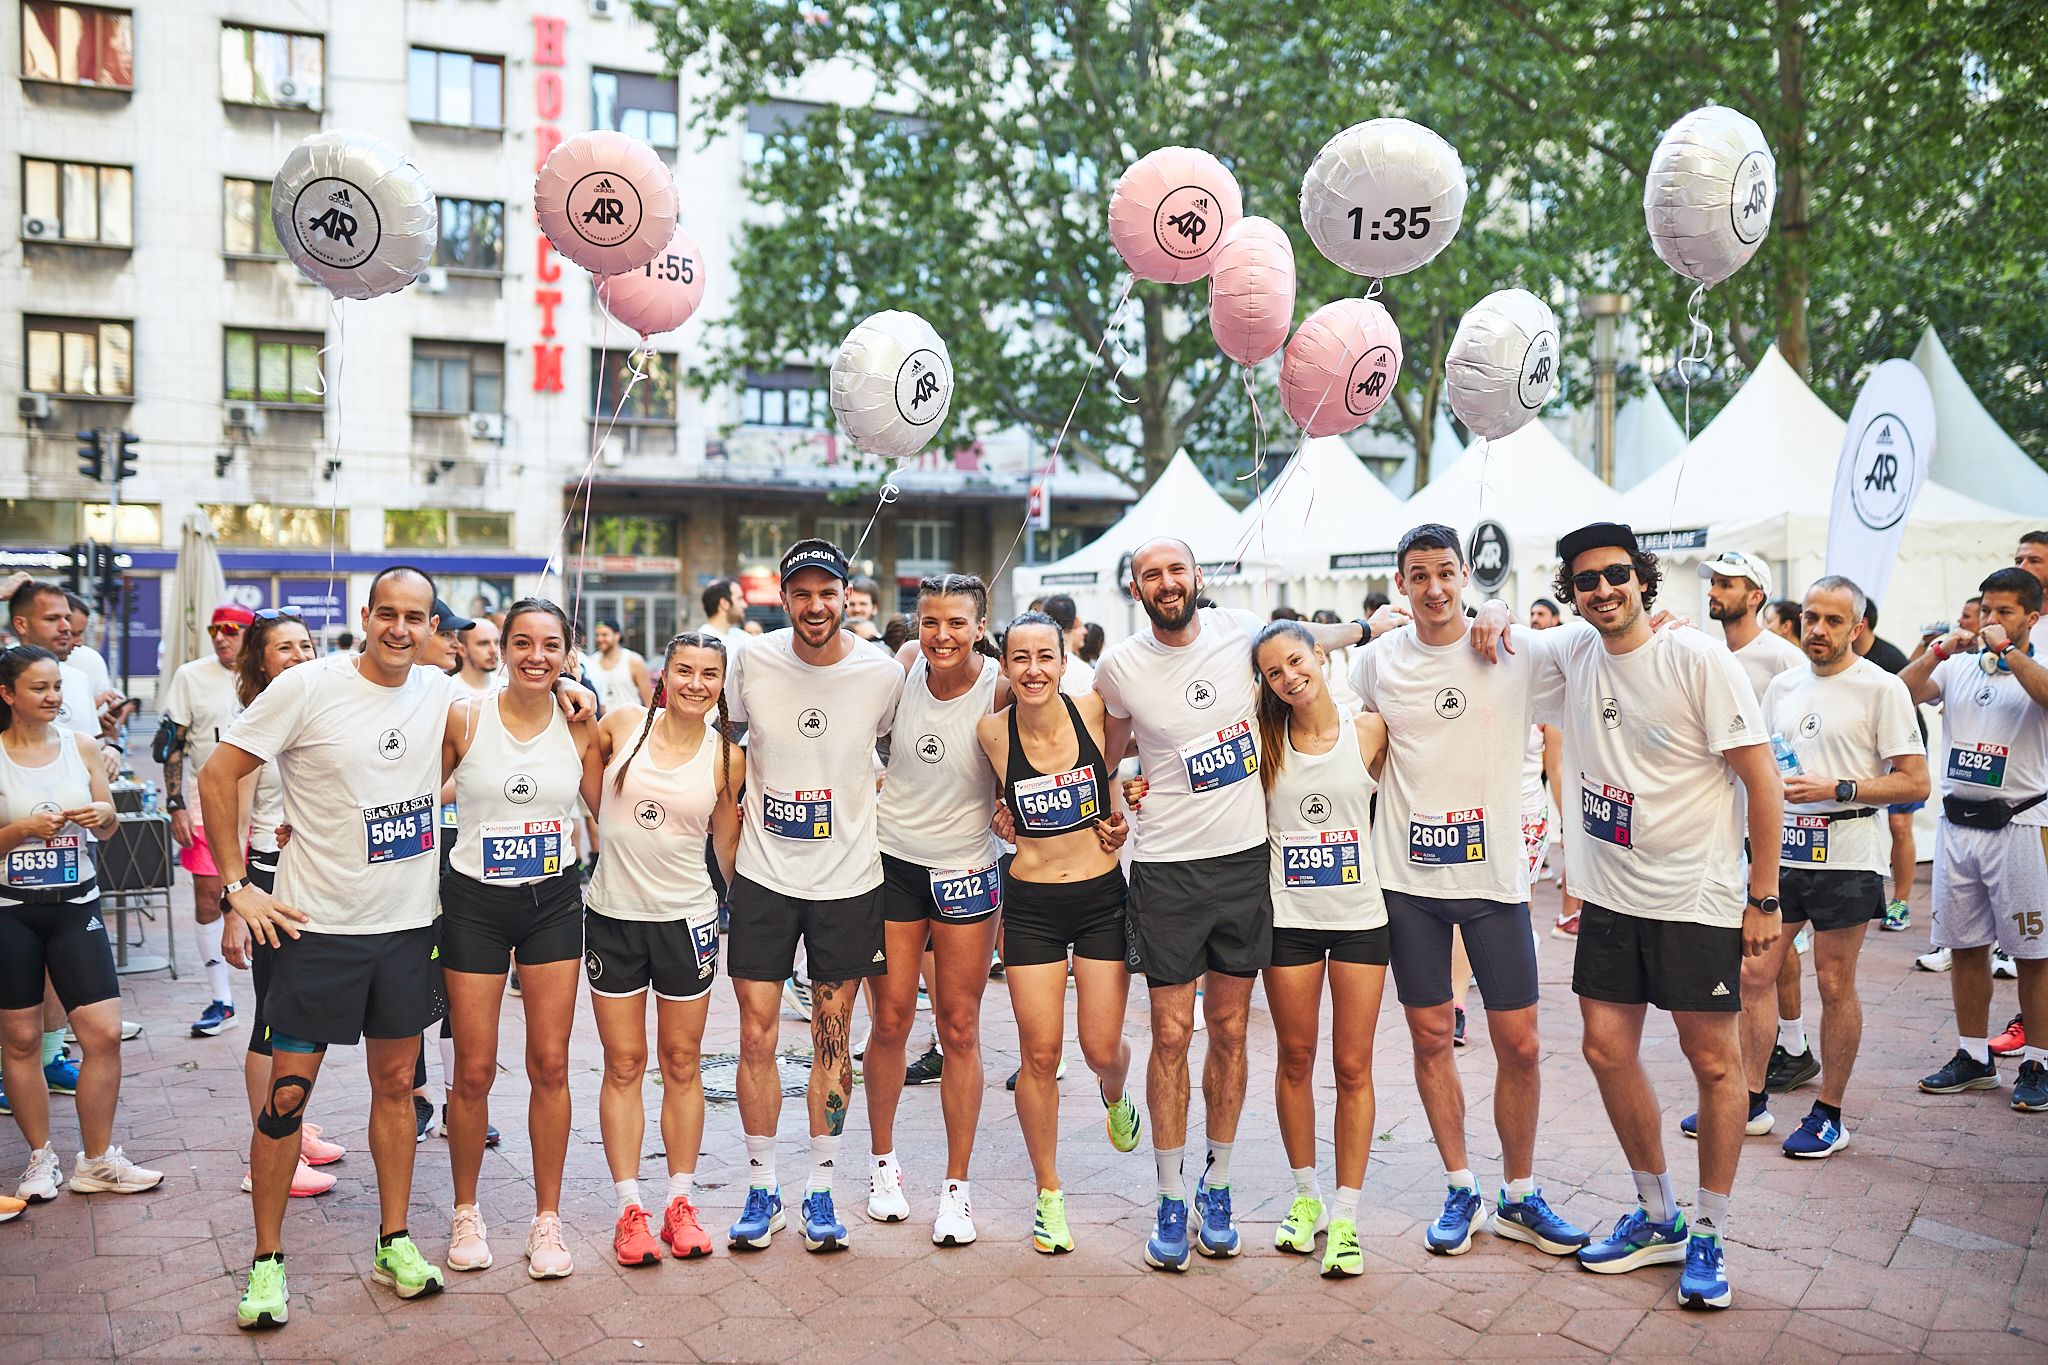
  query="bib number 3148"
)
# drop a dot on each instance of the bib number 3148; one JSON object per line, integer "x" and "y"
{"x": 1607, "y": 813}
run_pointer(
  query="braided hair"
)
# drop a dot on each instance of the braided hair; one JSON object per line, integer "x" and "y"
{"x": 963, "y": 585}
{"x": 692, "y": 639}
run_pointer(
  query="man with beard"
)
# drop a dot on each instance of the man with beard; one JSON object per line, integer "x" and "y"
{"x": 815, "y": 700}
{"x": 1199, "y": 903}
{"x": 1656, "y": 724}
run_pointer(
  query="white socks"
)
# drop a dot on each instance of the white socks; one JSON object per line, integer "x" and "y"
{"x": 760, "y": 1161}
{"x": 1345, "y": 1210}
{"x": 1710, "y": 1214}
{"x": 680, "y": 1184}
{"x": 824, "y": 1154}
{"x": 1518, "y": 1190}
{"x": 219, "y": 978}
{"x": 629, "y": 1195}
{"x": 1216, "y": 1170}
{"x": 1977, "y": 1048}
{"x": 1653, "y": 1192}
{"x": 1167, "y": 1160}
{"x": 1461, "y": 1180}
{"x": 1792, "y": 1035}
{"x": 2034, "y": 1054}
{"x": 1306, "y": 1183}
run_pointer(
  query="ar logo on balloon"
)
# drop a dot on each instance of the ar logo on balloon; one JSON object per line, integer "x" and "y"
{"x": 600, "y": 211}
{"x": 1368, "y": 381}
{"x": 918, "y": 382}
{"x": 1183, "y": 222}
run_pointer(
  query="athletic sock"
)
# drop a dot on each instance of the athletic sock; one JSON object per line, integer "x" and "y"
{"x": 1346, "y": 1208}
{"x": 1461, "y": 1180}
{"x": 217, "y": 978}
{"x": 1792, "y": 1035}
{"x": 1759, "y": 1097}
{"x": 1166, "y": 1160}
{"x": 887, "y": 1158}
{"x": 629, "y": 1195}
{"x": 1831, "y": 1111}
{"x": 1306, "y": 1183}
{"x": 824, "y": 1154}
{"x": 385, "y": 1239}
{"x": 760, "y": 1161}
{"x": 680, "y": 1184}
{"x": 1518, "y": 1190}
{"x": 447, "y": 1062}
{"x": 1216, "y": 1170}
{"x": 1978, "y": 1049}
{"x": 53, "y": 1045}
{"x": 1653, "y": 1192}
{"x": 1710, "y": 1214}
{"x": 2034, "y": 1054}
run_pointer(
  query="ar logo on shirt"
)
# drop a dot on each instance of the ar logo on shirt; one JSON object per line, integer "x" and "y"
{"x": 649, "y": 814}
{"x": 1315, "y": 808}
{"x": 391, "y": 746}
{"x": 1809, "y": 725}
{"x": 1201, "y": 695}
{"x": 811, "y": 723}
{"x": 1450, "y": 703}
{"x": 1610, "y": 713}
{"x": 931, "y": 748}
{"x": 520, "y": 789}
{"x": 1985, "y": 694}
{"x": 47, "y": 808}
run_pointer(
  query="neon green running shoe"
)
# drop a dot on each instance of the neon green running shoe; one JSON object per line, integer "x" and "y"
{"x": 1340, "y": 1252}
{"x": 1306, "y": 1217}
{"x": 400, "y": 1265}
{"x": 266, "y": 1302}
{"x": 1049, "y": 1229}
{"x": 1123, "y": 1124}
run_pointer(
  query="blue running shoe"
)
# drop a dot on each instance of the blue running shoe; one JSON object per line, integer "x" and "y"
{"x": 1760, "y": 1120}
{"x": 2030, "y": 1090}
{"x": 1535, "y": 1222}
{"x": 1635, "y": 1241}
{"x": 1816, "y": 1136}
{"x": 822, "y": 1229}
{"x": 5, "y": 1107}
{"x": 758, "y": 1222}
{"x": 1704, "y": 1281}
{"x": 1451, "y": 1234}
{"x": 1215, "y": 1234}
{"x": 1168, "y": 1247}
{"x": 62, "y": 1075}
{"x": 217, "y": 1015}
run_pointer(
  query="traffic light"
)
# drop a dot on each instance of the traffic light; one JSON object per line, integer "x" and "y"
{"x": 76, "y": 567}
{"x": 124, "y": 459}
{"x": 92, "y": 460}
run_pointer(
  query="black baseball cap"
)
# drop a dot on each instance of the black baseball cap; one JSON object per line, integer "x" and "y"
{"x": 1599, "y": 535}
{"x": 451, "y": 619}
{"x": 815, "y": 554}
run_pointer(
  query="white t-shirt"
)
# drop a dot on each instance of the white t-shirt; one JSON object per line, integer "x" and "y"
{"x": 1846, "y": 727}
{"x": 1654, "y": 833}
{"x": 1994, "y": 743}
{"x": 1194, "y": 714}
{"x": 1450, "y": 813}
{"x": 1765, "y": 657}
{"x": 361, "y": 768}
{"x": 809, "y": 830}
{"x": 75, "y": 710}
{"x": 1077, "y": 677}
{"x": 93, "y": 664}
{"x": 201, "y": 700}
{"x": 617, "y": 680}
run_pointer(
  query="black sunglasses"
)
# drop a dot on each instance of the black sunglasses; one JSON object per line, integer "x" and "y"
{"x": 1589, "y": 579}
{"x": 280, "y": 613}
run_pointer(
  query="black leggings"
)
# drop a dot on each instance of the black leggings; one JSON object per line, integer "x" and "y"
{"x": 67, "y": 939}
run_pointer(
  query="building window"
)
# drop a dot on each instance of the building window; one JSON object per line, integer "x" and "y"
{"x": 77, "y": 44}
{"x": 274, "y": 367}
{"x": 264, "y": 526}
{"x": 455, "y": 89}
{"x": 435, "y": 528}
{"x": 86, "y": 203}
{"x": 81, "y": 357}
{"x": 36, "y": 521}
{"x": 472, "y": 235}
{"x": 1058, "y": 542}
{"x": 650, "y": 401}
{"x": 638, "y": 106}
{"x": 457, "y": 377}
{"x": 764, "y": 539}
{"x": 785, "y": 398}
{"x": 764, "y": 121}
{"x": 276, "y": 70}
{"x": 639, "y": 536}
{"x": 246, "y": 229}
{"x": 927, "y": 542}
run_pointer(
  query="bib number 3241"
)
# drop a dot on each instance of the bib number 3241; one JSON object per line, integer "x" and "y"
{"x": 523, "y": 851}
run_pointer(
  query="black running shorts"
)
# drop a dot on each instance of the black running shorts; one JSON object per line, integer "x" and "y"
{"x": 483, "y": 927}
{"x": 626, "y": 957}
{"x": 907, "y": 895}
{"x": 1675, "y": 965}
{"x": 341, "y": 988}
{"x": 64, "y": 938}
{"x": 1208, "y": 915}
{"x": 1830, "y": 900}
{"x": 842, "y": 938}
{"x": 1042, "y": 920}
{"x": 262, "y": 874}
{"x": 1306, "y": 947}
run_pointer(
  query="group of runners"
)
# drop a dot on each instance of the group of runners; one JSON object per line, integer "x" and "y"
{"x": 391, "y": 838}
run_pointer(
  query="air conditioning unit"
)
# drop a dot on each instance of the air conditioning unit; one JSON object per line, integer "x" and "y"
{"x": 487, "y": 426}
{"x": 605, "y": 9}
{"x": 40, "y": 229}
{"x": 33, "y": 407}
{"x": 243, "y": 417}
{"x": 434, "y": 279}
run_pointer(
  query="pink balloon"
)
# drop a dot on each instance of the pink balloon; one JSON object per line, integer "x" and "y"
{"x": 661, "y": 295}
{"x": 1341, "y": 365}
{"x": 606, "y": 201}
{"x": 1251, "y": 290}
{"x": 1169, "y": 212}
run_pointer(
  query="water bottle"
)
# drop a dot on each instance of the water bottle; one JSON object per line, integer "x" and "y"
{"x": 149, "y": 798}
{"x": 1787, "y": 756}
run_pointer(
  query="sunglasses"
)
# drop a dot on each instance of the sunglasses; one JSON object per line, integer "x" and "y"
{"x": 224, "y": 628}
{"x": 280, "y": 614}
{"x": 1615, "y": 574}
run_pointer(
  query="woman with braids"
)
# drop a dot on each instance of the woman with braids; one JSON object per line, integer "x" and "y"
{"x": 1328, "y": 919}
{"x": 671, "y": 775}
{"x": 512, "y": 892}
{"x": 1063, "y": 892}
{"x": 940, "y": 888}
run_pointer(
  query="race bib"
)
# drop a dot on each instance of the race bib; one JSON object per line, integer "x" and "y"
{"x": 45, "y": 864}
{"x": 523, "y": 851}
{"x": 1058, "y": 802}
{"x": 1458, "y": 836}
{"x": 1806, "y": 840}
{"x": 704, "y": 938}
{"x": 448, "y": 820}
{"x": 401, "y": 830}
{"x": 967, "y": 893}
{"x": 1313, "y": 858}
{"x": 1983, "y": 764}
{"x": 1607, "y": 813}
{"x": 1218, "y": 760}
{"x": 797, "y": 815}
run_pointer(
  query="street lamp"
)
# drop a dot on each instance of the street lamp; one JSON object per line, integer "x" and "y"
{"x": 1606, "y": 311}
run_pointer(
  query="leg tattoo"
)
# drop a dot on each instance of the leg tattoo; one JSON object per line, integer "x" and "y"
{"x": 831, "y": 1053}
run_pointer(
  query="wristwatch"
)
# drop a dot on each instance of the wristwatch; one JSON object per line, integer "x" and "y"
{"x": 1845, "y": 792}
{"x": 1767, "y": 904}
{"x": 238, "y": 884}
{"x": 1364, "y": 631}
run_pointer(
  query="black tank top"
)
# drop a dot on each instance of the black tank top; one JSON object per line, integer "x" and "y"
{"x": 1058, "y": 803}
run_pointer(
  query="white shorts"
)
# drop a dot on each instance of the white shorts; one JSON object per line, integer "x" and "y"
{"x": 1991, "y": 886}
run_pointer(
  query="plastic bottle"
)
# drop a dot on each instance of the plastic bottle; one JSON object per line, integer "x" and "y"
{"x": 1782, "y": 750}
{"x": 149, "y": 798}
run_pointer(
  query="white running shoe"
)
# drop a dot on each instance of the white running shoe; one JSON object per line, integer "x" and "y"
{"x": 39, "y": 1182}
{"x": 797, "y": 996}
{"x": 113, "y": 1173}
{"x": 954, "y": 1227}
{"x": 1936, "y": 961}
{"x": 2003, "y": 965}
{"x": 886, "y": 1203}
{"x": 469, "y": 1247}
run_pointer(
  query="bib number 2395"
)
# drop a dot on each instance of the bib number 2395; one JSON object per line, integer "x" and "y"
{"x": 1315, "y": 858}
{"x": 797, "y": 815}
{"x": 401, "y": 830}
{"x": 1230, "y": 755}
{"x": 1607, "y": 813}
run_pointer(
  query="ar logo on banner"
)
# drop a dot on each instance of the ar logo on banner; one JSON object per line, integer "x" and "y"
{"x": 1886, "y": 469}
{"x": 1489, "y": 555}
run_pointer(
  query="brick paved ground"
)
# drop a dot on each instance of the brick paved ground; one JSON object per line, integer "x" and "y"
{"x": 1923, "y": 1238}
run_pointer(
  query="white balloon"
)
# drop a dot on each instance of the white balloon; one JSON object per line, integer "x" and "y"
{"x": 1502, "y": 365}
{"x": 892, "y": 384}
{"x": 354, "y": 214}
{"x": 1383, "y": 197}
{"x": 1708, "y": 198}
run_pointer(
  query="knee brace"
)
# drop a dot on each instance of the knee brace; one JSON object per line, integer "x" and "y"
{"x": 284, "y": 1112}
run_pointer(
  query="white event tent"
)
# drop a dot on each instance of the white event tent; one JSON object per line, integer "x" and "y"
{"x": 1646, "y": 438}
{"x": 1319, "y": 504}
{"x": 1972, "y": 453}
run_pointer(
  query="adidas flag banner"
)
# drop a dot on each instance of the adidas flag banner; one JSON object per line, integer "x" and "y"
{"x": 1885, "y": 457}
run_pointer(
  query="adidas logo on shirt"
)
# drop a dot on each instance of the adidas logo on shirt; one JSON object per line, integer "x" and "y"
{"x": 1720, "y": 988}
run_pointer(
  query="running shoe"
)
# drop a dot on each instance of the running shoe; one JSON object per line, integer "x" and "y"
{"x": 491, "y": 1135}
{"x": 995, "y": 967}
{"x": 306, "y": 1182}
{"x": 5, "y": 1107}
{"x": 797, "y": 996}
{"x": 113, "y": 1173}
{"x": 1802, "y": 942}
{"x": 1758, "y": 1123}
{"x": 469, "y": 1248}
{"x": 2002, "y": 965}
{"x": 1341, "y": 1256}
{"x": 1167, "y": 1249}
{"x": 2014, "y": 1038}
{"x": 547, "y": 1254}
{"x": 1567, "y": 927}
{"x": 1457, "y": 1026}
{"x": 39, "y": 1182}
{"x": 1306, "y": 1217}
{"x": 1896, "y": 917}
{"x": 316, "y": 1150}
{"x": 10, "y": 1208}
{"x": 1059, "y": 1073}
{"x": 758, "y": 1222}
{"x": 860, "y": 1045}
{"x": 1451, "y": 1233}
{"x": 1049, "y": 1225}
{"x": 1215, "y": 1232}
{"x": 1635, "y": 1241}
{"x": 1533, "y": 1221}
{"x": 2030, "y": 1089}
{"x": 927, "y": 1069}
{"x": 632, "y": 1243}
{"x": 685, "y": 1236}
{"x": 954, "y": 1227}
{"x": 266, "y": 1302}
{"x": 61, "y": 1075}
{"x": 1817, "y": 1136}
{"x": 822, "y": 1229}
{"x": 1961, "y": 1072}
{"x": 1940, "y": 960}
{"x": 1789, "y": 1070}
{"x": 512, "y": 983}
{"x": 399, "y": 1264}
{"x": 1704, "y": 1281}
{"x": 422, "y": 1118}
{"x": 1123, "y": 1123}
{"x": 886, "y": 1203}
{"x": 217, "y": 1015}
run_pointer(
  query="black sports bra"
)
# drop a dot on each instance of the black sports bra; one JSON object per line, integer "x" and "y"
{"x": 1046, "y": 805}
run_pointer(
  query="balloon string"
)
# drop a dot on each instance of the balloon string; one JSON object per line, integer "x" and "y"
{"x": 1257, "y": 476}
{"x": 1373, "y": 290}
{"x": 585, "y": 488}
{"x": 334, "y": 451}
{"x": 1125, "y": 356}
{"x": 889, "y": 493}
{"x": 1699, "y": 349}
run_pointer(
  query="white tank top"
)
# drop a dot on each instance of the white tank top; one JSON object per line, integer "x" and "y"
{"x": 652, "y": 831}
{"x": 517, "y": 801}
{"x": 940, "y": 791}
{"x": 1319, "y": 838}
{"x": 63, "y": 862}
{"x": 617, "y": 681}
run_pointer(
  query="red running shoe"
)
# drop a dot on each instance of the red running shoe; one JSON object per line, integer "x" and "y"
{"x": 631, "y": 1241}
{"x": 679, "y": 1228}
{"x": 2012, "y": 1040}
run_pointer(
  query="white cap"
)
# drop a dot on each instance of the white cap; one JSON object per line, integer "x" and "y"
{"x": 1737, "y": 564}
